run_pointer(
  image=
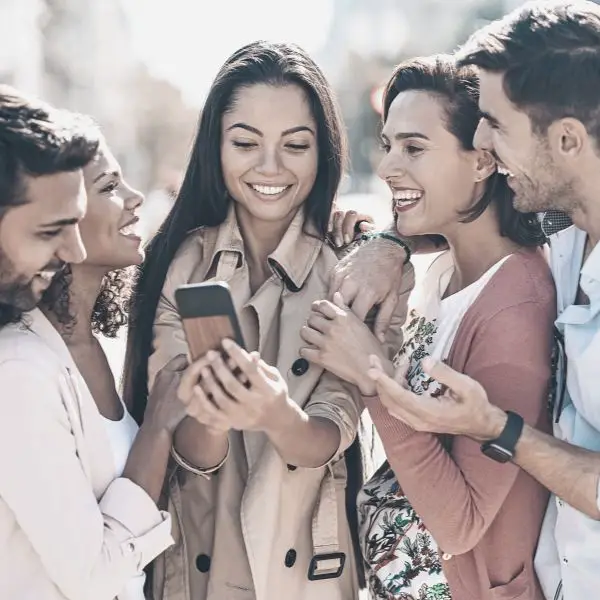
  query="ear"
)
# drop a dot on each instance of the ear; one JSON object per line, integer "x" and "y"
{"x": 568, "y": 137}
{"x": 485, "y": 165}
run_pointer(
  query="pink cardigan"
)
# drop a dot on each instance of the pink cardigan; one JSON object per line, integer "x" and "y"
{"x": 485, "y": 514}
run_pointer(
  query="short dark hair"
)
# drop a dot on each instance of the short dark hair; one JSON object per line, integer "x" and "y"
{"x": 203, "y": 200}
{"x": 549, "y": 53}
{"x": 37, "y": 139}
{"x": 457, "y": 88}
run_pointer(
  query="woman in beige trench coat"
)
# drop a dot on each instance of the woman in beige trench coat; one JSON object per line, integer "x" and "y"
{"x": 257, "y": 497}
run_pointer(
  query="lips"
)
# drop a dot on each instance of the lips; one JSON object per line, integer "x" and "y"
{"x": 269, "y": 190}
{"x": 129, "y": 228}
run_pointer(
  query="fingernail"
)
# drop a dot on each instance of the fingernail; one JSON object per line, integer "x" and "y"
{"x": 338, "y": 242}
{"x": 227, "y": 343}
{"x": 347, "y": 239}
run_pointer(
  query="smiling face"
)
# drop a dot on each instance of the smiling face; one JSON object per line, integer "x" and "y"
{"x": 269, "y": 151}
{"x": 39, "y": 237}
{"x": 109, "y": 227}
{"x": 432, "y": 178}
{"x": 536, "y": 177}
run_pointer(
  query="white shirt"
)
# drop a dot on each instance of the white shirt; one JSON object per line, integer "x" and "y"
{"x": 569, "y": 547}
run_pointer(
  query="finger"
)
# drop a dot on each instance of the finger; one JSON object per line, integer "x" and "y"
{"x": 384, "y": 316}
{"x": 312, "y": 337}
{"x": 228, "y": 380}
{"x": 312, "y": 355}
{"x": 247, "y": 363}
{"x": 458, "y": 383}
{"x": 363, "y": 303}
{"x": 190, "y": 377}
{"x": 366, "y": 226}
{"x": 204, "y": 411}
{"x": 216, "y": 393}
{"x": 349, "y": 290}
{"x": 318, "y": 322}
{"x": 335, "y": 282}
{"x": 338, "y": 234}
{"x": 351, "y": 218}
{"x": 338, "y": 300}
{"x": 327, "y": 309}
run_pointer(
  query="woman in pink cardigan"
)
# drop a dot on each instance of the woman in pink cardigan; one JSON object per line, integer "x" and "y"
{"x": 439, "y": 519}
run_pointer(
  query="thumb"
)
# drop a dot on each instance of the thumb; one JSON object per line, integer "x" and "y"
{"x": 338, "y": 300}
{"x": 448, "y": 377}
{"x": 384, "y": 316}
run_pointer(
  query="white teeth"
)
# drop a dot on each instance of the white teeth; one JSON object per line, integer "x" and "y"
{"x": 406, "y": 195}
{"x": 270, "y": 190}
{"x": 47, "y": 275}
{"x": 128, "y": 229}
{"x": 503, "y": 171}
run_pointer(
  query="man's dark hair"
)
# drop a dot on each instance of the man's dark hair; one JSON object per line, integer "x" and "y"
{"x": 37, "y": 139}
{"x": 549, "y": 53}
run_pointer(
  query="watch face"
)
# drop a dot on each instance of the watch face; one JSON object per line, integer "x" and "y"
{"x": 496, "y": 452}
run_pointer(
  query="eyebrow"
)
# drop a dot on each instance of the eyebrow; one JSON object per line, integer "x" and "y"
{"x": 489, "y": 118}
{"x": 258, "y": 132}
{"x": 104, "y": 173}
{"x": 403, "y": 136}
{"x": 61, "y": 223}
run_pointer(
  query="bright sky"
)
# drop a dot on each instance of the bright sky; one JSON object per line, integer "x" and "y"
{"x": 186, "y": 41}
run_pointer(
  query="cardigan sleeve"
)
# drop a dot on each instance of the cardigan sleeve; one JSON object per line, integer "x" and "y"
{"x": 458, "y": 495}
{"x": 90, "y": 548}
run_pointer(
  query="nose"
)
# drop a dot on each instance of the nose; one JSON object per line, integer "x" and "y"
{"x": 134, "y": 199}
{"x": 390, "y": 166}
{"x": 270, "y": 164}
{"x": 482, "y": 139}
{"x": 72, "y": 249}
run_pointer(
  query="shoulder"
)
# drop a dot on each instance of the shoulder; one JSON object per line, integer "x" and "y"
{"x": 524, "y": 278}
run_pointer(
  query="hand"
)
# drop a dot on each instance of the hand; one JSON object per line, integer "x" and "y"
{"x": 340, "y": 342}
{"x": 165, "y": 410}
{"x": 342, "y": 226}
{"x": 371, "y": 275}
{"x": 463, "y": 409}
{"x": 254, "y": 399}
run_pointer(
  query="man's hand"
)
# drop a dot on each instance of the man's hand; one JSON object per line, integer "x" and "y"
{"x": 371, "y": 275}
{"x": 463, "y": 409}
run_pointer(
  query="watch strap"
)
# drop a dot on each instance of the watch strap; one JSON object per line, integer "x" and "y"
{"x": 510, "y": 434}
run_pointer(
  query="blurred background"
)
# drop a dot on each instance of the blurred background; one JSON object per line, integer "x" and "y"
{"x": 142, "y": 68}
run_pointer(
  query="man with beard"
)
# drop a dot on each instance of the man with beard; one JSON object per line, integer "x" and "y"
{"x": 540, "y": 90}
{"x": 42, "y": 198}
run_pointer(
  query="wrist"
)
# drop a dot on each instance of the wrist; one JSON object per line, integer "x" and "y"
{"x": 492, "y": 425}
{"x": 281, "y": 421}
{"x": 386, "y": 238}
{"x": 157, "y": 429}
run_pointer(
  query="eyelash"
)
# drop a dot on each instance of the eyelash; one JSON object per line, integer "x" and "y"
{"x": 250, "y": 145}
{"x": 47, "y": 235}
{"x": 110, "y": 187}
{"x": 410, "y": 149}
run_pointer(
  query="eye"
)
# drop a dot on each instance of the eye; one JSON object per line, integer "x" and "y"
{"x": 109, "y": 187}
{"x": 49, "y": 234}
{"x": 383, "y": 145}
{"x": 413, "y": 150}
{"x": 244, "y": 145}
{"x": 298, "y": 147}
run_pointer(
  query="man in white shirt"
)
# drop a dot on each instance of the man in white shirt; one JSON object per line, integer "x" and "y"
{"x": 540, "y": 90}
{"x": 42, "y": 198}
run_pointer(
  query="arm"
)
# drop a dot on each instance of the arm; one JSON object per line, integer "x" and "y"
{"x": 472, "y": 486}
{"x": 89, "y": 548}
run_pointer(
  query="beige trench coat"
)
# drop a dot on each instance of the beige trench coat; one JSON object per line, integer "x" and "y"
{"x": 251, "y": 531}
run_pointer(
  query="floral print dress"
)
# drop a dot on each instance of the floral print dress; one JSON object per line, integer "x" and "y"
{"x": 402, "y": 559}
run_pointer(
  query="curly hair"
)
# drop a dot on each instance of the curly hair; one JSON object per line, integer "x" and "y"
{"x": 111, "y": 308}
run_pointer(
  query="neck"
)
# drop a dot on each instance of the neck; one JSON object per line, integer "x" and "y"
{"x": 261, "y": 238}
{"x": 83, "y": 292}
{"x": 475, "y": 248}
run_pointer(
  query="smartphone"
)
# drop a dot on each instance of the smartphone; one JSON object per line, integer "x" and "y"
{"x": 208, "y": 316}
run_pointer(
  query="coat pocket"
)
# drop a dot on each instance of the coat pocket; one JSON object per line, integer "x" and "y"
{"x": 520, "y": 587}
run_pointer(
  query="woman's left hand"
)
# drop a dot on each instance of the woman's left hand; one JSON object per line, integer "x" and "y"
{"x": 260, "y": 404}
{"x": 339, "y": 342}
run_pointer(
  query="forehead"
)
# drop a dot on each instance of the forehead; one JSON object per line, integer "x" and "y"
{"x": 50, "y": 198}
{"x": 270, "y": 108}
{"x": 104, "y": 161}
{"x": 415, "y": 111}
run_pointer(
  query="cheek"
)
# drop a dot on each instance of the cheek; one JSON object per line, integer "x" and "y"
{"x": 305, "y": 170}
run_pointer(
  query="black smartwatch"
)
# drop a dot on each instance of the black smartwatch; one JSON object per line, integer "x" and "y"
{"x": 502, "y": 449}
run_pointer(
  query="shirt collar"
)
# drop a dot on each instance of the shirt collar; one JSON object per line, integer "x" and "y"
{"x": 291, "y": 261}
{"x": 590, "y": 275}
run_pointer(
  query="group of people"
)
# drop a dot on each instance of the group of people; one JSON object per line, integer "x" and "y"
{"x": 249, "y": 473}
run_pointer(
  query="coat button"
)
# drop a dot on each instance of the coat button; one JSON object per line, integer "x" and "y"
{"x": 300, "y": 367}
{"x": 290, "y": 558}
{"x": 203, "y": 563}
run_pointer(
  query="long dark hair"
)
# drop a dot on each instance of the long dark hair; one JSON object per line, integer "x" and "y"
{"x": 203, "y": 200}
{"x": 458, "y": 89}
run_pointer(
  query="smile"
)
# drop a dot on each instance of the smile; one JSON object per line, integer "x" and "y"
{"x": 269, "y": 190}
{"x": 406, "y": 198}
{"x": 129, "y": 229}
